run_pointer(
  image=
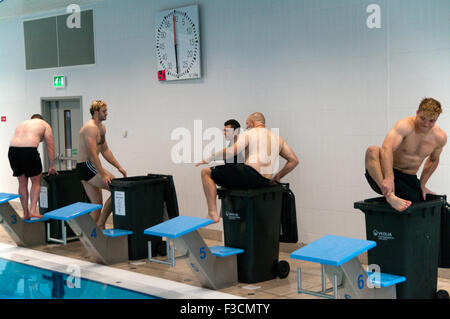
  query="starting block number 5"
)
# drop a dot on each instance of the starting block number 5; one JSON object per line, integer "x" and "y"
{"x": 203, "y": 252}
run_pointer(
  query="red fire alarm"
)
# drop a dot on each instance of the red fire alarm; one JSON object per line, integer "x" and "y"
{"x": 3, "y": 118}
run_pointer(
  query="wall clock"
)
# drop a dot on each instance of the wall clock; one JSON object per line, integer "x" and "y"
{"x": 178, "y": 43}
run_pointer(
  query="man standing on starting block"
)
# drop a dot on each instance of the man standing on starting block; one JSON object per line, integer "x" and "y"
{"x": 391, "y": 170}
{"x": 26, "y": 162}
{"x": 94, "y": 177}
{"x": 262, "y": 149}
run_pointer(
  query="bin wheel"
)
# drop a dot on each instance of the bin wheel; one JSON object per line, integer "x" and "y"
{"x": 283, "y": 269}
{"x": 442, "y": 294}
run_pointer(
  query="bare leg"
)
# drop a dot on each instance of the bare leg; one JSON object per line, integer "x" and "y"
{"x": 106, "y": 211}
{"x": 210, "y": 190}
{"x": 373, "y": 166}
{"x": 94, "y": 186}
{"x": 34, "y": 195}
{"x": 23, "y": 192}
{"x": 95, "y": 196}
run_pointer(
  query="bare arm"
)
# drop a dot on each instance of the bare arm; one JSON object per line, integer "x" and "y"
{"x": 391, "y": 143}
{"x": 108, "y": 155}
{"x": 48, "y": 138}
{"x": 292, "y": 161}
{"x": 228, "y": 152}
{"x": 431, "y": 164}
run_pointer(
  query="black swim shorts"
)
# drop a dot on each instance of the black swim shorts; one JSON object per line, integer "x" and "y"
{"x": 25, "y": 161}
{"x": 407, "y": 186}
{"x": 238, "y": 176}
{"x": 86, "y": 170}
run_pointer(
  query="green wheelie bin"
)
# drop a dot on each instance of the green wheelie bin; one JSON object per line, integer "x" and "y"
{"x": 408, "y": 243}
{"x": 251, "y": 221}
{"x": 57, "y": 191}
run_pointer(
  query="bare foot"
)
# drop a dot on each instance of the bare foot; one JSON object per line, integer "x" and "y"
{"x": 214, "y": 216}
{"x": 35, "y": 216}
{"x": 102, "y": 227}
{"x": 397, "y": 203}
{"x": 26, "y": 217}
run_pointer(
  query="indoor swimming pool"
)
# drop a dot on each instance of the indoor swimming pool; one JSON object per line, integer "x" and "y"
{"x": 21, "y": 281}
{"x": 32, "y": 274}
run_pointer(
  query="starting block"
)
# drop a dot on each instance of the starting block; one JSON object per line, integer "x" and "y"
{"x": 215, "y": 267}
{"x": 108, "y": 246}
{"x": 338, "y": 258}
{"x": 25, "y": 233}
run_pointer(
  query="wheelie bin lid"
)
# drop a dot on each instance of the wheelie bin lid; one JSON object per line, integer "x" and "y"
{"x": 136, "y": 180}
{"x": 379, "y": 204}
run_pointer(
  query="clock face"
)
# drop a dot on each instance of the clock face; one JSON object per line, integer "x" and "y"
{"x": 178, "y": 44}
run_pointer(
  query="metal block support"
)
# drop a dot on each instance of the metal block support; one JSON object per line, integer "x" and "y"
{"x": 24, "y": 233}
{"x": 104, "y": 249}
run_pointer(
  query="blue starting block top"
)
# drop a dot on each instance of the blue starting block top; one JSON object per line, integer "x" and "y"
{"x": 72, "y": 211}
{"x": 114, "y": 232}
{"x": 222, "y": 251}
{"x": 385, "y": 280}
{"x": 36, "y": 220}
{"x": 178, "y": 226}
{"x": 333, "y": 250}
{"x": 5, "y": 197}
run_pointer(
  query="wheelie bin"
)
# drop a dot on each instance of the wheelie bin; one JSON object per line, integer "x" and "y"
{"x": 408, "y": 243}
{"x": 57, "y": 191}
{"x": 251, "y": 221}
{"x": 138, "y": 203}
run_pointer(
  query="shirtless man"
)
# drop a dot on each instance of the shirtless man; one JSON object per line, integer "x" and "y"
{"x": 262, "y": 150}
{"x": 93, "y": 176}
{"x": 391, "y": 170}
{"x": 26, "y": 162}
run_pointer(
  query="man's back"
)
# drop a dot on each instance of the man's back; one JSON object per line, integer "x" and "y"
{"x": 29, "y": 133}
{"x": 262, "y": 151}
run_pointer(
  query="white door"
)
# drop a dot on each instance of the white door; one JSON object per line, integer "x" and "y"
{"x": 65, "y": 118}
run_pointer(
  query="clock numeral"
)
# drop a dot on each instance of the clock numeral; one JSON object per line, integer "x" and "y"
{"x": 162, "y": 75}
{"x": 190, "y": 54}
{"x": 185, "y": 64}
{"x": 189, "y": 31}
{"x": 162, "y": 35}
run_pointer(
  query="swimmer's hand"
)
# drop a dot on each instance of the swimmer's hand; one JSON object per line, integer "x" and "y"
{"x": 275, "y": 180}
{"x": 387, "y": 187}
{"x": 201, "y": 163}
{"x": 122, "y": 171}
{"x": 426, "y": 191}
{"x": 106, "y": 179}
{"x": 52, "y": 171}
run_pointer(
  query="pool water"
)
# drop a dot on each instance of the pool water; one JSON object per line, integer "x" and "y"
{"x": 21, "y": 281}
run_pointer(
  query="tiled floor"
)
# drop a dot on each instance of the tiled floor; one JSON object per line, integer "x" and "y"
{"x": 272, "y": 289}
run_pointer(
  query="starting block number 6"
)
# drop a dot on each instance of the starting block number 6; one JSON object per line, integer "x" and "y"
{"x": 371, "y": 279}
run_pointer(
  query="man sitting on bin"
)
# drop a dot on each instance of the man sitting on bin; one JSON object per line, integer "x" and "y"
{"x": 391, "y": 170}
{"x": 94, "y": 176}
{"x": 262, "y": 149}
{"x": 26, "y": 162}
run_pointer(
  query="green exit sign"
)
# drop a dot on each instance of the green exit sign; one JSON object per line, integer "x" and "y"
{"x": 59, "y": 81}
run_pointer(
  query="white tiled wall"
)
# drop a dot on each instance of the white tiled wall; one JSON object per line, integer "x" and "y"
{"x": 331, "y": 85}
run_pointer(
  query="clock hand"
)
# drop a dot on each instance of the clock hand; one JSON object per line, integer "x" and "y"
{"x": 175, "y": 42}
